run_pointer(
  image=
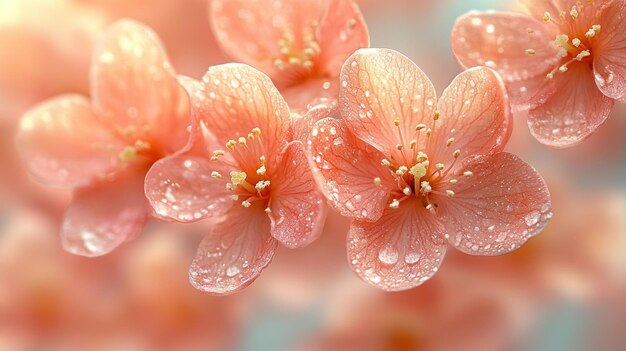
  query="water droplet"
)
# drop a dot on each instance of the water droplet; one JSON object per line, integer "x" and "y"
{"x": 388, "y": 255}
{"x": 232, "y": 271}
{"x": 412, "y": 258}
{"x": 532, "y": 218}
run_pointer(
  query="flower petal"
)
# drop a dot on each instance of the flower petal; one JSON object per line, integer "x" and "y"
{"x": 499, "y": 208}
{"x": 347, "y": 168}
{"x": 298, "y": 206}
{"x": 235, "y": 251}
{"x": 185, "y": 189}
{"x": 378, "y": 86}
{"x": 341, "y": 32}
{"x": 573, "y": 112}
{"x": 475, "y": 117}
{"x": 401, "y": 250}
{"x": 609, "y": 51}
{"x": 62, "y": 143}
{"x": 105, "y": 215}
{"x": 252, "y": 32}
{"x": 499, "y": 40}
{"x": 135, "y": 89}
{"x": 302, "y": 123}
{"x": 238, "y": 98}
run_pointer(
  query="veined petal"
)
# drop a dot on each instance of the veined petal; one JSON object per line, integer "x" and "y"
{"x": 233, "y": 254}
{"x": 135, "y": 89}
{"x": 298, "y": 208}
{"x": 500, "y": 40}
{"x": 401, "y": 250}
{"x": 574, "y": 110}
{"x": 341, "y": 32}
{"x": 348, "y": 168}
{"x": 475, "y": 117}
{"x": 238, "y": 98}
{"x": 262, "y": 32}
{"x": 498, "y": 209}
{"x": 105, "y": 215}
{"x": 188, "y": 188}
{"x": 62, "y": 143}
{"x": 609, "y": 51}
{"x": 380, "y": 87}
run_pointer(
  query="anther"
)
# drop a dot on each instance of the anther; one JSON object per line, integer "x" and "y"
{"x": 547, "y": 17}
{"x": 395, "y": 203}
{"x": 231, "y": 144}
{"x": 574, "y": 12}
{"x": 246, "y": 203}
{"x": 468, "y": 173}
{"x": 436, "y": 115}
{"x": 425, "y": 187}
{"x": 261, "y": 170}
{"x": 218, "y": 153}
{"x": 385, "y": 162}
{"x": 450, "y": 193}
{"x": 242, "y": 141}
{"x": 234, "y": 197}
{"x": 453, "y": 181}
{"x": 420, "y": 127}
{"x": 440, "y": 166}
{"x": 377, "y": 181}
{"x": 449, "y": 142}
{"x": 576, "y": 42}
{"x": 407, "y": 191}
{"x": 396, "y": 122}
{"x": 399, "y": 146}
{"x": 216, "y": 175}
{"x": 530, "y": 51}
{"x": 256, "y": 131}
{"x": 456, "y": 153}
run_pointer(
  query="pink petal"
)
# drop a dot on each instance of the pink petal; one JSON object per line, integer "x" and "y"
{"x": 302, "y": 123}
{"x": 233, "y": 254}
{"x": 609, "y": 51}
{"x": 499, "y": 40}
{"x": 573, "y": 112}
{"x": 298, "y": 206}
{"x": 400, "y": 251}
{"x": 135, "y": 89}
{"x": 182, "y": 188}
{"x": 499, "y": 208}
{"x": 305, "y": 96}
{"x": 347, "y": 168}
{"x": 378, "y": 86}
{"x": 238, "y": 98}
{"x": 475, "y": 117}
{"x": 250, "y": 32}
{"x": 105, "y": 215}
{"x": 341, "y": 32}
{"x": 62, "y": 143}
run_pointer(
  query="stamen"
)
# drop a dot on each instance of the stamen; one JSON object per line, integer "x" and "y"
{"x": 530, "y": 52}
{"x": 377, "y": 181}
{"x": 407, "y": 191}
{"x": 425, "y": 187}
{"x": 450, "y": 193}
{"x": 261, "y": 170}
{"x": 468, "y": 173}
{"x": 394, "y": 203}
{"x": 246, "y": 203}
{"x": 216, "y": 175}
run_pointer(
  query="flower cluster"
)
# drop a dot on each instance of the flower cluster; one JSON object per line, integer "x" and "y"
{"x": 312, "y": 117}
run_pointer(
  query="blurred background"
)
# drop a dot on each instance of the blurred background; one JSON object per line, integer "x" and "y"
{"x": 564, "y": 290}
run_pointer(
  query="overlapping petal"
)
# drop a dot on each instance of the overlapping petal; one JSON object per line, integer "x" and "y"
{"x": 347, "y": 168}
{"x": 62, "y": 143}
{"x": 499, "y": 40}
{"x": 298, "y": 208}
{"x": 379, "y": 86}
{"x": 499, "y": 208}
{"x": 105, "y": 215}
{"x": 135, "y": 89}
{"x": 233, "y": 254}
{"x": 401, "y": 250}
{"x": 609, "y": 62}
{"x": 572, "y": 112}
{"x": 475, "y": 117}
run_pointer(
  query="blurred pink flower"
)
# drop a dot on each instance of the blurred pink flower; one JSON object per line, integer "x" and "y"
{"x": 103, "y": 148}
{"x": 417, "y": 174}
{"x": 564, "y": 61}
{"x": 261, "y": 183}
{"x": 300, "y": 44}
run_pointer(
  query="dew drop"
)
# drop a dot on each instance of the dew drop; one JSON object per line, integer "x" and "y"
{"x": 412, "y": 258}
{"x": 532, "y": 218}
{"x": 388, "y": 255}
{"x": 232, "y": 271}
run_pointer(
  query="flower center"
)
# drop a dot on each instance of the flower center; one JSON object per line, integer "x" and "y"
{"x": 298, "y": 53}
{"x": 415, "y": 174}
{"x": 570, "y": 50}
{"x": 249, "y": 180}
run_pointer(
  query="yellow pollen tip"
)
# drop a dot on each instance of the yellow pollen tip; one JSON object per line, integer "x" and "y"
{"x": 453, "y": 181}
{"x": 418, "y": 171}
{"x": 440, "y": 166}
{"x": 420, "y": 127}
{"x": 231, "y": 144}
{"x": 547, "y": 17}
{"x": 436, "y": 115}
{"x": 456, "y": 153}
{"x": 449, "y": 142}
{"x": 468, "y": 173}
{"x": 216, "y": 175}
{"x": 128, "y": 154}
{"x": 399, "y": 146}
{"x": 142, "y": 145}
{"x": 450, "y": 193}
{"x": 378, "y": 181}
{"x": 425, "y": 187}
{"x": 395, "y": 203}
{"x": 242, "y": 141}
{"x": 246, "y": 203}
{"x": 413, "y": 144}
{"x": 396, "y": 122}
{"x": 218, "y": 153}
{"x": 261, "y": 170}
{"x": 385, "y": 162}
{"x": 237, "y": 177}
{"x": 256, "y": 131}
{"x": 530, "y": 51}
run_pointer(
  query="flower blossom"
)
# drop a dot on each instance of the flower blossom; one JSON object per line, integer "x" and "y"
{"x": 299, "y": 44}
{"x": 417, "y": 174}
{"x": 240, "y": 165}
{"x": 103, "y": 148}
{"x": 564, "y": 61}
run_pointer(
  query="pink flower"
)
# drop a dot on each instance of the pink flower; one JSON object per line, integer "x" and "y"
{"x": 300, "y": 44}
{"x": 103, "y": 148}
{"x": 417, "y": 174}
{"x": 240, "y": 165}
{"x": 565, "y": 61}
